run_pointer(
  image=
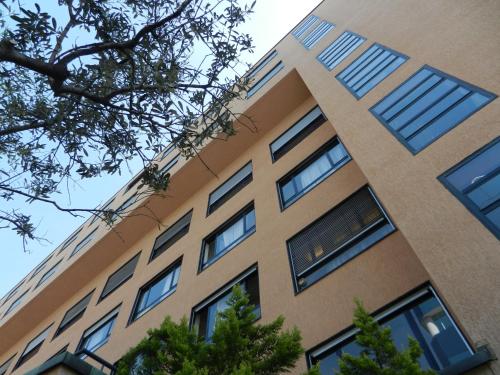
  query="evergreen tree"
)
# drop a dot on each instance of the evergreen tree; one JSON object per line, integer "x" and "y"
{"x": 238, "y": 346}
{"x": 380, "y": 355}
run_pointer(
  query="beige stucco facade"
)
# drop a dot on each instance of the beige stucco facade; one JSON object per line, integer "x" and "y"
{"x": 438, "y": 241}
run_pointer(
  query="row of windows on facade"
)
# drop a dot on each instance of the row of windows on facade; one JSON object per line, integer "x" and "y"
{"x": 336, "y": 237}
{"x": 419, "y": 111}
{"x": 420, "y": 315}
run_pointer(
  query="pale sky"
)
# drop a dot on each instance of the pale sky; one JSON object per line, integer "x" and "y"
{"x": 272, "y": 20}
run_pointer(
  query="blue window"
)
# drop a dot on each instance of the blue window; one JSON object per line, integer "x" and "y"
{"x": 476, "y": 183}
{"x": 156, "y": 290}
{"x": 428, "y": 105}
{"x": 258, "y": 85}
{"x": 342, "y": 47}
{"x": 369, "y": 69}
{"x": 206, "y": 313}
{"x": 338, "y": 236}
{"x": 97, "y": 335}
{"x": 228, "y": 236}
{"x": 305, "y": 25}
{"x": 317, "y": 33}
{"x": 421, "y": 316}
{"x": 312, "y": 172}
{"x": 257, "y": 68}
{"x": 33, "y": 347}
{"x": 296, "y": 133}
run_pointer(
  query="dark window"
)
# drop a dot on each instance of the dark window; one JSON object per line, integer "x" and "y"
{"x": 237, "y": 229}
{"x": 369, "y": 69}
{"x": 41, "y": 266}
{"x": 120, "y": 276}
{"x": 422, "y": 317}
{"x": 60, "y": 351}
{"x": 317, "y": 33}
{"x": 12, "y": 292}
{"x": 47, "y": 275}
{"x": 102, "y": 208}
{"x": 305, "y": 25}
{"x": 312, "y": 172}
{"x": 167, "y": 151}
{"x": 173, "y": 234}
{"x": 338, "y": 236}
{"x": 341, "y": 47}
{"x": 257, "y": 68}
{"x": 73, "y": 314}
{"x": 33, "y": 347}
{"x": 258, "y": 85}
{"x": 16, "y": 302}
{"x": 170, "y": 164}
{"x": 297, "y": 132}
{"x": 428, "y": 105}
{"x": 476, "y": 183}
{"x": 70, "y": 240}
{"x": 229, "y": 188}
{"x": 5, "y": 366}
{"x": 156, "y": 290}
{"x": 98, "y": 334}
{"x": 88, "y": 238}
{"x": 205, "y": 314}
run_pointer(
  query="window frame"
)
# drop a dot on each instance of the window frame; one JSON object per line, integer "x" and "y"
{"x": 381, "y": 46}
{"x": 462, "y": 198}
{"x": 273, "y": 72}
{"x": 385, "y": 313}
{"x": 304, "y": 164}
{"x": 262, "y": 64}
{"x": 103, "y": 295}
{"x": 60, "y": 328}
{"x": 6, "y": 365}
{"x": 52, "y": 269}
{"x": 221, "y": 292}
{"x": 443, "y": 75}
{"x": 315, "y": 35}
{"x": 324, "y": 261}
{"x": 235, "y": 189}
{"x": 173, "y": 239}
{"x": 301, "y": 29}
{"x": 105, "y": 319}
{"x": 300, "y": 136}
{"x": 72, "y": 238}
{"x": 172, "y": 267}
{"x": 221, "y": 228}
{"x": 12, "y": 307}
{"x": 26, "y": 356}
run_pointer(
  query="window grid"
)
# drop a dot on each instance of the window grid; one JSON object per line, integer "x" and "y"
{"x": 341, "y": 47}
{"x": 475, "y": 182}
{"x": 317, "y": 34}
{"x": 302, "y": 28}
{"x": 428, "y": 105}
{"x": 368, "y": 70}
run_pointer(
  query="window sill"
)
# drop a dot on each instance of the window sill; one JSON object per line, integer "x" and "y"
{"x": 479, "y": 358}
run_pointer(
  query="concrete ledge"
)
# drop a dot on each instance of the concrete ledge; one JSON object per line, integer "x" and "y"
{"x": 65, "y": 363}
{"x": 481, "y": 357}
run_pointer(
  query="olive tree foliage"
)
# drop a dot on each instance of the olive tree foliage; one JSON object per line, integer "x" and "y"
{"x": 118, "y": 79}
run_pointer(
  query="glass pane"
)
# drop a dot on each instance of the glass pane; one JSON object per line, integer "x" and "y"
{"x": 213, "y": 310}
{"x": 448, "y": 121}
{"x": 476, "y": 169}
{"x": 425, "y": 321}
{"x": 397, "y": 94}
{"x": 494, "y": 217}
{"x": 415, "y": 108}
{"x": 337, "y": 153}
{"x": 486, "y": 193}
{"x": 358, "y": 65}
{"x": 288, "y": 191}
{"x": 98, "y": 337}
{"x": 437, "y": 109}
{"x": 229, "y": 236}
{"x": 309, "y": 175}
{"x": 250, "y": 221}
{"x": 367, "y": 72}
{"x": 381, "y": 75}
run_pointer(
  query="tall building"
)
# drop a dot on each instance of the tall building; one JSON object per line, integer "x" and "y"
{"x": 373, "y": 172}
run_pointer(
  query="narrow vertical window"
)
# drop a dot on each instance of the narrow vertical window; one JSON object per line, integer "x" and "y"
{"x": 342, "y": 47}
